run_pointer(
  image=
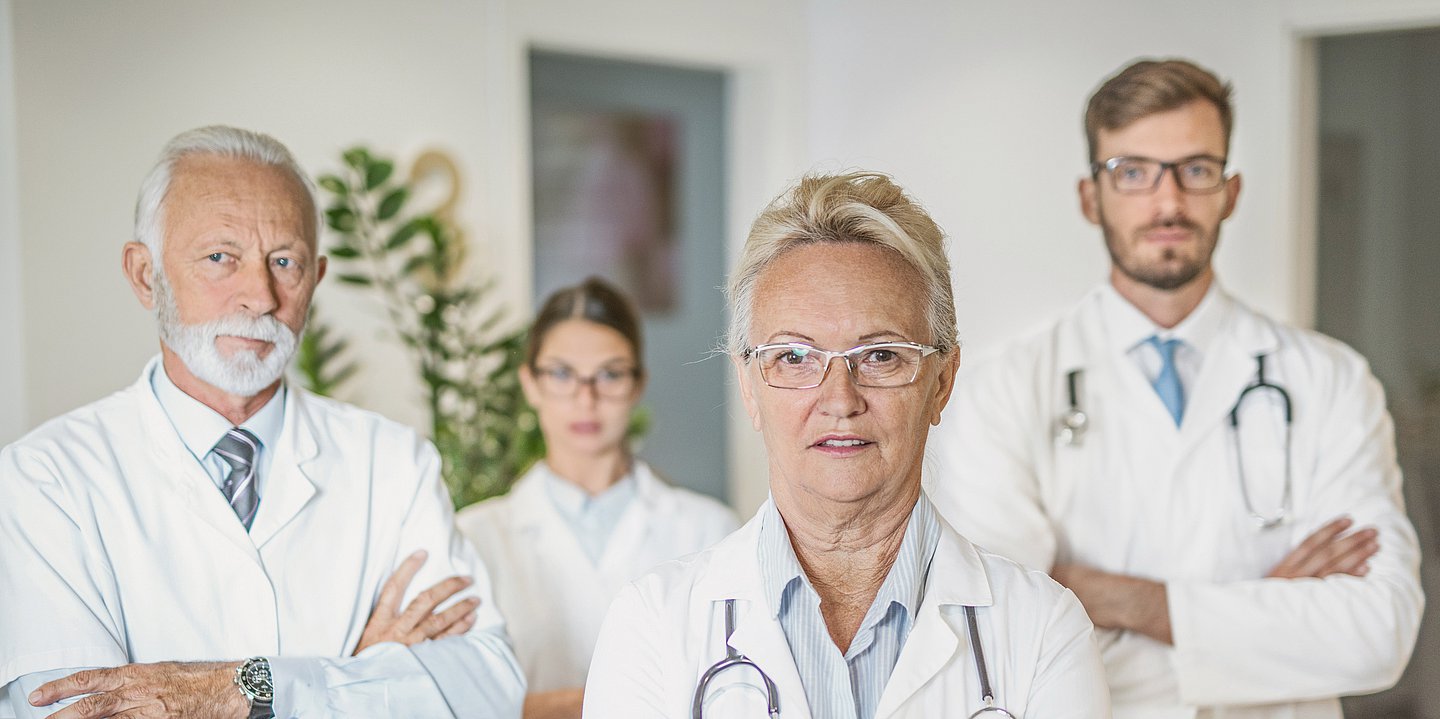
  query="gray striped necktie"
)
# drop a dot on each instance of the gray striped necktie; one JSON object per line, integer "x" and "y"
{"x": 238, "y": 448}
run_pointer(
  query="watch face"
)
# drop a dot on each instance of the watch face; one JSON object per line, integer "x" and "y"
{"x": 255, "y": 679}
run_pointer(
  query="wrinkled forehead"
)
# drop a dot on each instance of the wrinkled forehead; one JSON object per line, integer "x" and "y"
{"x": 839, "y": 292}
{"x": 202, "y": 185}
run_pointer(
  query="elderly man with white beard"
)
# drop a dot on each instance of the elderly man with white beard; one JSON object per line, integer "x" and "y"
{"x": 211, "y": 542}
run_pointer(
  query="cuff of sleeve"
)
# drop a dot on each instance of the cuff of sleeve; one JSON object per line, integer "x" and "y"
{"x": 299, "y": 687}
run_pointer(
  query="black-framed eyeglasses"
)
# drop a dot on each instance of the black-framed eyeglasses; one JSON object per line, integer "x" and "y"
{"x": 796, "y": 365}
{"x": 560, "y": 380}
{"x": 1141, "y": 175}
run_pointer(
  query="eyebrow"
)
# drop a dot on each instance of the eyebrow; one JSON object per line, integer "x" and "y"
{"x": 862, "y": 339}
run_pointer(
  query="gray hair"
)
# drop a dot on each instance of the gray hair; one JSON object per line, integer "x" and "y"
{"x": 215, "y": 140}
{"x": 860, "y": 207}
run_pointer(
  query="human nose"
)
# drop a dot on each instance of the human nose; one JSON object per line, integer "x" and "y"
{"x": 257, "y": 291}
{"x": 587, "y": 390}
{"x": 1169, "y": 195}
{"x": 839, "y": 395}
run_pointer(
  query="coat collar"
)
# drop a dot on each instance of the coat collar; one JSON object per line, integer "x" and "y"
{"x": 957, "y": 577}
{"x": 287, "y": 490}
{"x": 533, "y": 508}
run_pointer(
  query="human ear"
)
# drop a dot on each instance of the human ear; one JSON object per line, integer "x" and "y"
{"x": 945, "y": 386}
{"x": 747, "y": 393}
{"x": 1089, "y": 201}
{"x": 139, "y": 268}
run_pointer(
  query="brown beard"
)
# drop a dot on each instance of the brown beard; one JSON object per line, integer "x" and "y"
{"x": 1172, "y": 271}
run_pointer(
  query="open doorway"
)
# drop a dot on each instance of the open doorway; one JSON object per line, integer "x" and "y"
{"x": 1378, "y": 277}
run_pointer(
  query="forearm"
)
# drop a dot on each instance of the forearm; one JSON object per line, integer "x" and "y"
{"x": 1118, "y": 601}
{"x": 558, "y": 704}
{"x": 472, "y": 675}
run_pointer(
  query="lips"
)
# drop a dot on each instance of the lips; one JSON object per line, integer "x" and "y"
{"x": 837, "y": 444}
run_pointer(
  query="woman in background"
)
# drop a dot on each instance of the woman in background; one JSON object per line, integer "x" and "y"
{"x": 589, "y": 517}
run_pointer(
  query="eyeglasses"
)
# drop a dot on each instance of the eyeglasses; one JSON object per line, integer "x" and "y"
{"x": 794, "y": 365}
{"x": 609, "y": 383}
{"x": 1141, "y": 175}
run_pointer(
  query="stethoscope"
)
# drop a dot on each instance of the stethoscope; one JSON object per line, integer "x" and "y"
{"x": 734, "y": 658}
{"x": 1071, "y": 425}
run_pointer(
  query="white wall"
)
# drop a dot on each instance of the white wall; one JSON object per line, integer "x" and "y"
{"x": 975, "y": 106}
{"x": 13, "y": 418}
{"x": 101, "y": 86}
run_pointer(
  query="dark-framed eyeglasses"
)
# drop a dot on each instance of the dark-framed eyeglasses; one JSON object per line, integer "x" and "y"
{"x": 561, "y": 380}
{"x": 1141, "y": 175}
{"x": 796, "y": 365}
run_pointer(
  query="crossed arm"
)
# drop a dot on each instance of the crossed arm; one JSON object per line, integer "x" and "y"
{"x": 1118, "y": 601}
{"x": 206, "y": 690}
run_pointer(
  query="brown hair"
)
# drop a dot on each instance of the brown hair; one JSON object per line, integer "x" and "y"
{"x": 1150, "y": 86}
{"x": 593, "y": 300}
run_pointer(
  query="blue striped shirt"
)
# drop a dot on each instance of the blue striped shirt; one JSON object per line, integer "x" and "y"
{"x": 847, "y": 685}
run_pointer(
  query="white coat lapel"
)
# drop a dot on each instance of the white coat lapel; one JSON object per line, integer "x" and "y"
{"x": 1228, "y": 368}
{"x": 735, "y": 574}
{"x": 288, "y": 489}
{"x": 956, "y": 578}
{"x": 178, "y": 475}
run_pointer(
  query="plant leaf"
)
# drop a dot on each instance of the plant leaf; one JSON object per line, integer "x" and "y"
{"x": 333, "y": 184}
{"x": 344, "y": 252}
{"x": 403, "y": 235}
{"x": 390, "y": 206}
{"x": 340, "y": 219}
{"x": 361, "y": 280}
{"x": 377, "y": 172}
{"x": 357, "y": 157}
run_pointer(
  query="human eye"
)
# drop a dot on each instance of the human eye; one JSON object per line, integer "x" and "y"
{"x": 559, "y": 373}
{"x": 1131, "y": 172}
{"x": 216, "y": 257}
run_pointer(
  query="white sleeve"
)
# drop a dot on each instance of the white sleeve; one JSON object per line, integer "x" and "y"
{"x": 59, "y": 606}
{"x": 1281, "y": 640}
{"x": 981, "y": 464}
{"x": 474, "y": 675}
{"x": 1069, "y": 677}
{"x": 626, "y": 679}
{"x": 469, "y": 676}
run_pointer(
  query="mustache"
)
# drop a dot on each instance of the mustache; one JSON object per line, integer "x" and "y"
{"x": 1168, "y": 223}
{"x": 264, "y": 328}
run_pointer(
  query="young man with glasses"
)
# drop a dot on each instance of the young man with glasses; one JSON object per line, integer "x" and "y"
{"x": 1219, "y": 489}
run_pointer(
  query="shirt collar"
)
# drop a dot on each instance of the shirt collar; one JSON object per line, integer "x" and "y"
{"x": 904, "y": 585}
{"x": 572, "y": 501}
{"x": 1127, "y": 326}
{"x": 200, "y": 427}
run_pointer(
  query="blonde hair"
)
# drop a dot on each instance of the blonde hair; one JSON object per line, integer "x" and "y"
{"x": 858, "y": 207}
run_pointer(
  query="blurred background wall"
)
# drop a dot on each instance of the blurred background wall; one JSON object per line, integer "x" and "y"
{"x": 974, "y": 106}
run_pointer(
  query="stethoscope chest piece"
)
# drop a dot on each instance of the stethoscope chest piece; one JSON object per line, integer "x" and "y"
{"x": 1070, "y": 427}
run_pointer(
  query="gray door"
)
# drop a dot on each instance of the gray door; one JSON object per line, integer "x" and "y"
{"x": 628, "y": 168}
{"x": 1379, "y": 278}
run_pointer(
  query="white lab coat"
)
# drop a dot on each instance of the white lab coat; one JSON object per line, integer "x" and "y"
{"x": 552, "y": 596}
{"x": 1142, "y": 497}
{"x": 116, "y": 547}
{"x": 666, "y": 629}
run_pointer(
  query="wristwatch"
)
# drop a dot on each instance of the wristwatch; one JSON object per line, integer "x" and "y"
{"x": 253, "y": 679}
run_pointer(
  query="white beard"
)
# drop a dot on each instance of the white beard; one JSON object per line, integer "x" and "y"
{"x": 244, "y": 373}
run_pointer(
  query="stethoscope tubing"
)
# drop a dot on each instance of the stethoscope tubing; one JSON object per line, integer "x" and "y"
{"x": 734, "y": 658}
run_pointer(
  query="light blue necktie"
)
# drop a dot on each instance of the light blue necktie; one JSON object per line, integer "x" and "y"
{"x": 1167, "y": 383}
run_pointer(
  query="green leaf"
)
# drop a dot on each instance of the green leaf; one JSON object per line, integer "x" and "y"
{"x": 361, "y": 280}
{"x": 390, "y": 206}
{"x": 344, "y": 252}
{"x": 377, "y": 172}
{"x": 333, "y": 184}
{"x": 340, "y": 219}
{"x": 357, "y": 157}
{"x": 414, "y": 263}
{"x": 402, "y": 235}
